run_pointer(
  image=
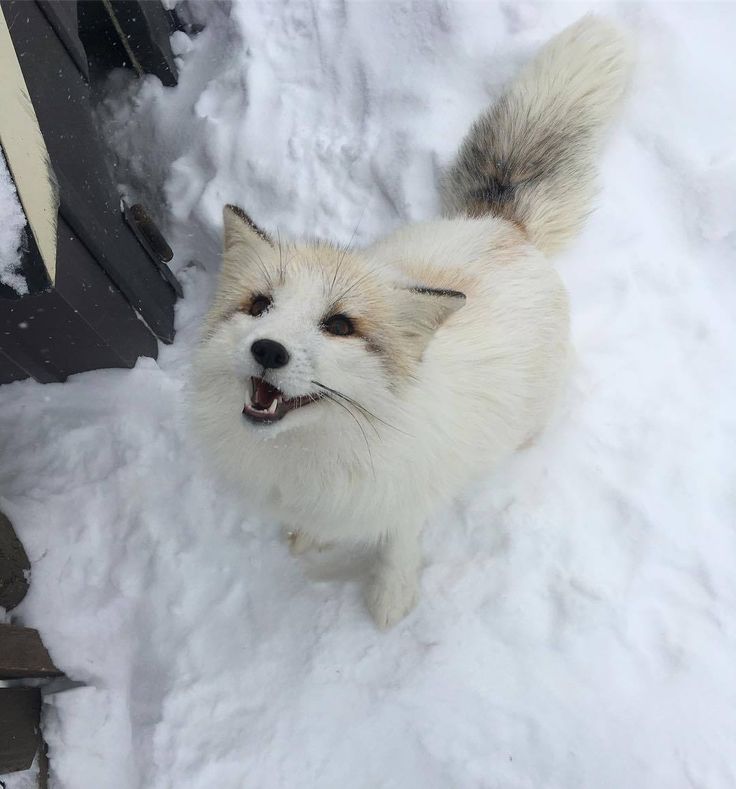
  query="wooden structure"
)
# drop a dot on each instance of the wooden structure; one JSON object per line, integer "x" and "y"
{"x": 100, "y": 292}
{"x": 22, "y": 657}
{"x": 91, "y": 273}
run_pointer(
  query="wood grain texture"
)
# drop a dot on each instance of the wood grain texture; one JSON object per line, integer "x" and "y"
{"x": 20, "y": 710}
{"x": 23, "y": 655}
{"x": 14, "y": 566}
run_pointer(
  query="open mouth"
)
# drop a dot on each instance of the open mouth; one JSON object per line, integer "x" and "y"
{"x": 268, "y": 404}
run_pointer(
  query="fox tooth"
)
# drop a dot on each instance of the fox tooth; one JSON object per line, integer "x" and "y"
{"x": 274, "y": 405}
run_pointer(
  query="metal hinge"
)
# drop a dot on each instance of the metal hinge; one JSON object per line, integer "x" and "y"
{"x": 152, "y": 240}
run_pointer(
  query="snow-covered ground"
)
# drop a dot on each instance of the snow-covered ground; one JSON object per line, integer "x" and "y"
{"x": 577, "y": 626}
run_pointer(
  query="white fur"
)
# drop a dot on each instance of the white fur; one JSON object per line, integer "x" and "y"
{"x": 483, "y": 379}
{"x": 541, "y": 139}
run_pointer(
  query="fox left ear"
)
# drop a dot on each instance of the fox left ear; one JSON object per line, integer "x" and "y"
{"x": 240, "y": 228}
{"x": 424, "y": 310}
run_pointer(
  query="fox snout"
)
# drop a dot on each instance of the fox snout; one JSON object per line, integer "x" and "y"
{"x": 270, "y": 354}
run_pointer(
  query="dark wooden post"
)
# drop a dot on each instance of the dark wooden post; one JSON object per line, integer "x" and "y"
{"x": 22, "y": 656}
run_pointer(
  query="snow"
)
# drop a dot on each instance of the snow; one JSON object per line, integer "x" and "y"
{"x": 577, "y": 626}
{"x": 11, "y": 231}
{"x": 27, "y": 779}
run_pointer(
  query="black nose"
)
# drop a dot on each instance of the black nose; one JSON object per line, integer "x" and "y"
{"x": 270, "y": 353}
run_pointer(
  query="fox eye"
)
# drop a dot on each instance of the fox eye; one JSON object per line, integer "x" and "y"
{"x": 259, "y": 305}
{"x": 339, "y": 325}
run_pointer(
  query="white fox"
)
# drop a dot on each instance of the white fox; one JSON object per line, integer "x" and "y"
{"x": 350, "y": 393}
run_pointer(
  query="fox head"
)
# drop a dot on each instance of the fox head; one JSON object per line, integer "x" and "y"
{"x": 309, "y": 335}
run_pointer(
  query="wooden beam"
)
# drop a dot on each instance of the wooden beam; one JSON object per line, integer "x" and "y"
{"x": 14, "y": 566}
{"x": 23, "y": 655}
{"x": 20, "y": 734}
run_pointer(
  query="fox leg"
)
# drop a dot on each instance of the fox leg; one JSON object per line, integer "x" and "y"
{"x": 300, "y": 542}
{"x": 394, "y": 588}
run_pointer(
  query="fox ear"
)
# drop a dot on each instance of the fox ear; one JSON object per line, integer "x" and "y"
{"x": 424, "y": 310}
{"x": 240, "y": 229}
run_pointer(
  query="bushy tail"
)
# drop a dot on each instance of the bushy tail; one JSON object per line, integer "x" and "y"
{"x": 531, "y": 157}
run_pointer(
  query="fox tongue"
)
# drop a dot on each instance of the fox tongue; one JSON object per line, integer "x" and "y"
{"x": 263, "y": 394}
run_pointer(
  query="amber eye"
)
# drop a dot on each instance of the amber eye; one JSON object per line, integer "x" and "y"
{"x": 339, "y": 325}
{"x": 259, "y": 305}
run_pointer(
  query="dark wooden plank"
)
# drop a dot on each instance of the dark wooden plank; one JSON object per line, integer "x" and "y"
{"x": 14, "y": 566}
{"x": 43, "y": 763}
{"x": 90, "y": 203}
{"x": 46, "y": 337}
{"x": 63, "y": 18}
{"x": 147, "y": 29}
{"x": 90, "y": 292}
{"x": 22, "y": 654}
{"x": 130, "y": 34}
{"x": 20, "y": 711}
{"x": 10, "y": 370}
{"x": 84, "y": 323}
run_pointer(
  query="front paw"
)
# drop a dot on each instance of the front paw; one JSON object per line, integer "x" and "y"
{"x": 390, "y": 597}
{"x": 300, "y": 543}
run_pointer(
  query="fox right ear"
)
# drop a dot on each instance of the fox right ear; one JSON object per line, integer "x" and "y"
{"x": 423, "y": 310}
{"x": 240, "y": 229}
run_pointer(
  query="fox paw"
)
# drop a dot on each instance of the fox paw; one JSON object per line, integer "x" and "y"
{"x": 390, "y": 598}
{"x": 300, "y": 543}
